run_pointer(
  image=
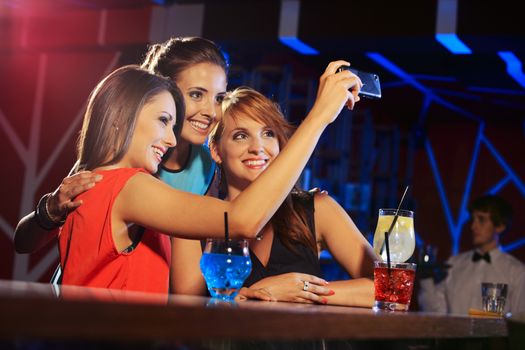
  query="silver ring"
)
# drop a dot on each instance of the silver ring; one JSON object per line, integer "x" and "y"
{"x": 306, "y": 284}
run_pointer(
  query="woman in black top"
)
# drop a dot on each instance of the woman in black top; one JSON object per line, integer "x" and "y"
{"x": 285, "y": 263}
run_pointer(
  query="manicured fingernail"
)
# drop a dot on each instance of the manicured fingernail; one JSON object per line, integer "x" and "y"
{"x": 98, "y": 177}
{"x": 331, "y": 292}
{"x": 324, "y": 301}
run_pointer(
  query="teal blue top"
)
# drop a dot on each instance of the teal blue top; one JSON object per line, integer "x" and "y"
{"x": 196, "y": 175}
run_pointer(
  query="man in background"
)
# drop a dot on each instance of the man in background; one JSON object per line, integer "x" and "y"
{"x": 461, "y": 289}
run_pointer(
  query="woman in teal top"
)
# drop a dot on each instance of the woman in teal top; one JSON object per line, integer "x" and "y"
{"x": 199, "y": 69}
{"x": 195, "y": 175}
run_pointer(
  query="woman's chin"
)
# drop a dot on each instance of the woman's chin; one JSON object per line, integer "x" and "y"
{"x": 195, "y": 138}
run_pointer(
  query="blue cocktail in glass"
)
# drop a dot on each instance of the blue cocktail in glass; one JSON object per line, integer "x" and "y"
{"x": 225, "y": 265}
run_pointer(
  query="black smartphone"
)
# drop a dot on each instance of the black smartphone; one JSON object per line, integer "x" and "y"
{"x": 371, "y": 85}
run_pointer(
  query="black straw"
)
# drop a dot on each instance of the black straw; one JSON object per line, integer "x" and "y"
{"x": 393, "y": 223}
{"x": 226, "y": 233}
{"x": 397, "y": 211}
{"x": 387, "y": 252}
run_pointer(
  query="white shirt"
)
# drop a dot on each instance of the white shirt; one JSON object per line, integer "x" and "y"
{"x": 461, "y": 289}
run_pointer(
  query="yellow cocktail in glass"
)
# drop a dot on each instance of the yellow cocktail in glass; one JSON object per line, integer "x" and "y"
{"x": 401, "y": 240}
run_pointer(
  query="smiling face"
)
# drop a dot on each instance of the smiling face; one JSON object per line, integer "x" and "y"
{"x": 245, "y": 150}
{"x": 203, "y": 86}
{"x": 153, "y": 133}
{"x": 248, "y": 138}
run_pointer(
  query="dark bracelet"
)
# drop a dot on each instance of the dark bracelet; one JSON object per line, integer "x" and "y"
{"x": 42, "y": 215}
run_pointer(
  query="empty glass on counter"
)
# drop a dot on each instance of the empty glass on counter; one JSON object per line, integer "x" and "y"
{"x": 493, "y": 296}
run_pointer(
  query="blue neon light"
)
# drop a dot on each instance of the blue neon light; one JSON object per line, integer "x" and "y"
{"x": 455, "y": 227}
{"x": 431, "y": 96}
{"x": 307, "y": 178}
{"x": 419, "y": 241}
{"x": 513, "y": 66}
{"x": 296, "y": 44}
{"x": 435, "y": 78}
{"x": 513, "y": 245}
{"x": 386, "y": 63}
{"x": 443, "y": 197}
{"x": 463, "y": 95}
{"x": 424, "y": 109}
{"x": 453, "y": 43}
{"x": 499, "y": 186}
{"x": 463, "y": 214}
{"x": 513, "y": 175}
{"x": 489, "y": 90}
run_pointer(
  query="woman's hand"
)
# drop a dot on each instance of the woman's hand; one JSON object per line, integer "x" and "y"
{"x": 248, "y": 293}
{"x": 336, "y": 90}
{"x": 293, "y": 287}
{"x": 61, "y": 202}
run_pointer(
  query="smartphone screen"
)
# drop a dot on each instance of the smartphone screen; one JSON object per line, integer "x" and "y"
{"x": 371, "y": 85}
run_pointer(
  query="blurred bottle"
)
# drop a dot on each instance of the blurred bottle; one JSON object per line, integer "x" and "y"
{"x": 427, "y": 255}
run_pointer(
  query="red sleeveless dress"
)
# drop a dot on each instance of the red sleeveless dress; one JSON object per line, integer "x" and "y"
{"x": 92, "y": 258}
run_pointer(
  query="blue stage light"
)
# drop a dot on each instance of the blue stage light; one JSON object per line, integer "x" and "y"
{"x": 298, "y": 45}
{"x": 514, "y": 68}
{"x": 453, "y": 43}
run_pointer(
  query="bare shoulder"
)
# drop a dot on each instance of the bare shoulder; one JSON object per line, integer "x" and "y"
{"x": 140, "y": 191}
{"x": 144, "y": 183}
{"x": 329, "y": 215}
{"x": 323, "y": 202}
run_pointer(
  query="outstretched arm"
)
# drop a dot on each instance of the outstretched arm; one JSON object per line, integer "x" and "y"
{"x": 186, "y": 215}
{"x": 30, "y": 235}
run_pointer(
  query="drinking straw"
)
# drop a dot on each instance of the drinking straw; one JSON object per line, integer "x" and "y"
{"x": 226, "y": 233}
{"x": 393, "y": 221}
{"x": 387, "y": 253}
{"x": 397, "y": 211}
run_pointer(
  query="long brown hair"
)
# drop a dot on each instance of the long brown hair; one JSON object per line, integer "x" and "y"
{"x": 112, "y": 111}
{"x": 290, "y": 221}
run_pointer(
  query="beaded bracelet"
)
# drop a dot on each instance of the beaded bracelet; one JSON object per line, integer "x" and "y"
{"x": 43, "y": 219}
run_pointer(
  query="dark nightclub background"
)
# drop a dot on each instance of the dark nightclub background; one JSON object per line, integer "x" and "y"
{"x": 451, "y": 123}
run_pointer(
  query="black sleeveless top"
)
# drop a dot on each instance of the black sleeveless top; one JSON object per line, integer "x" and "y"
{"x": 282, "y": 260}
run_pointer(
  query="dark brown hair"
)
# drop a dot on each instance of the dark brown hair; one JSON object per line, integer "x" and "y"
{"x": 112, "y": 111}
{"x": 177, "y": 54}
{"x": 290, "y": 221}
{"x": 499, "y": 209}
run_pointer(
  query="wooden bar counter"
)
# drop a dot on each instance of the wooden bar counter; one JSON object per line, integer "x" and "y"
{"x": 40, "y": 311}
